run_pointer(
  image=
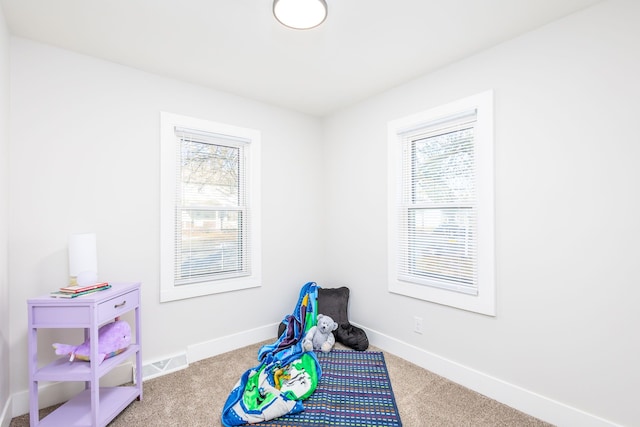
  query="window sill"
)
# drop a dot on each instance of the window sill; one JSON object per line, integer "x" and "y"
{"x": 483, "y": 303}
{"x": 200, "y": 289}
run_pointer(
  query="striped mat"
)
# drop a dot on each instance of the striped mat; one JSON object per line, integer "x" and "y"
{"x": 354, "y": 391}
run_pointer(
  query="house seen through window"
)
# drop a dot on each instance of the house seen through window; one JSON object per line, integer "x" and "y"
{"x": 212, "y": 211}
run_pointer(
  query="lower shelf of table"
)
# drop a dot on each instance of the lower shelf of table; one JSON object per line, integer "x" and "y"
{"x": 63, "y": 370}
{"x": 77, "y": 411}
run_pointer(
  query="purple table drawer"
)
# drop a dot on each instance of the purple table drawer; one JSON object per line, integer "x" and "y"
{"x": 117, "y": 306}
{"x": 53, "y": 317}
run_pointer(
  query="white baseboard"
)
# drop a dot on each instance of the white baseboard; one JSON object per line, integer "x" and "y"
{"x": 204, "y": 350}
{"x": 529, "y": 402}
{"x": 231, "y": 342}
{"x": 5, "y": 415}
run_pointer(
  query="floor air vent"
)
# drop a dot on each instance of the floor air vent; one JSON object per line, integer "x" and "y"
{"x": 165, "y": 366}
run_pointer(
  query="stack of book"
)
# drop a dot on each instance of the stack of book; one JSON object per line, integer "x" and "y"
{"x": 77, "y": 290}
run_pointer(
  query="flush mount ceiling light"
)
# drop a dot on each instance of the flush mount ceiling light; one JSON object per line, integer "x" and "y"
{"x": 300, "y": 14}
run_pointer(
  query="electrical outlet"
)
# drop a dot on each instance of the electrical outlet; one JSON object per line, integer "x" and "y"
{"x": 417, "y": 325}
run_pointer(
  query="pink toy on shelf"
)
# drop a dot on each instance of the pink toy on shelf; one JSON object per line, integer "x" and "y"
{"x": 113, "y": 339}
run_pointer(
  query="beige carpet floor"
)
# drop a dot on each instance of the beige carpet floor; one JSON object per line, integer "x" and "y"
{"x": 194, "y": 397}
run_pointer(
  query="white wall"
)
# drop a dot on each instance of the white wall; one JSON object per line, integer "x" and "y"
{"x": 85, "y": 157}
{"x": 567, "y": 208}
{"x": 4, "y": 224}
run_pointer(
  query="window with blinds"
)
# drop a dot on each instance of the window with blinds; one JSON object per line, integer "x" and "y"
{"x": 441, "y": 205}
{"x": 437, "y": 210}
{"x": 209, "y": 207}
{"x": 212, "y": 219}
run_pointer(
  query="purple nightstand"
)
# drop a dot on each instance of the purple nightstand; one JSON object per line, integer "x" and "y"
{"x": 95, "y": 406}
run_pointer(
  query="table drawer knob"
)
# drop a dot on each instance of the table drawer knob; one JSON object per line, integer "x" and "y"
{"x": 120, "y": 305}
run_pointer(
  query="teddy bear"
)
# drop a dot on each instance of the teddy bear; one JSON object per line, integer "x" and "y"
{"x": 320, "y": 337}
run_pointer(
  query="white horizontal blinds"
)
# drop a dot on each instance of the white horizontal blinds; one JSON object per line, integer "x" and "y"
{"x": 438, "y": 206}
{"x": 211, "y": 229}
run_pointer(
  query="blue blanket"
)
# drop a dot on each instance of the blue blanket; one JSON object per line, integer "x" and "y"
{"x": 286, "y": 374}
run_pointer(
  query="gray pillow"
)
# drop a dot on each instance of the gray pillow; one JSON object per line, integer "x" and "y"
{"x": 334, "y": 303}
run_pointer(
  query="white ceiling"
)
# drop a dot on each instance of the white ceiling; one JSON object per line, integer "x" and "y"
{"x": 364, "y": 47}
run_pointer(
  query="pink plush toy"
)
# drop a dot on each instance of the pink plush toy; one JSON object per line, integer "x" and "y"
{"x": 113, "y": 338}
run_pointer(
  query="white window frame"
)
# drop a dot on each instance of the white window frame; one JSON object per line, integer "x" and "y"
{"x": 169, "y": 290}
{"x": 484, "y": 301}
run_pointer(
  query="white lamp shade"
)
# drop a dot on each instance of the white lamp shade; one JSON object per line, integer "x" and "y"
{"x": 83, "y": 259}
{"x": 300, "y": 14}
